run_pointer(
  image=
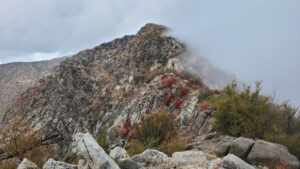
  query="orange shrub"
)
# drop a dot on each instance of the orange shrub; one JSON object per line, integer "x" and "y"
{"x": 177, "y": 103}
{"x": 183, "y": 91}
{"x": 179, "y": 75}
{"x": 127, "y": 124}
{"x": 123, "y": 133}
{"x": 168, "y": 99}
{"x": 204, "y": 105}
{"x": 169, "y": 82}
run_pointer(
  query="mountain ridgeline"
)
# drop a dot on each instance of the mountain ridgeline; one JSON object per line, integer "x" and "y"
{"x": 139, "y": 92}
{"x": 15, "y": 78}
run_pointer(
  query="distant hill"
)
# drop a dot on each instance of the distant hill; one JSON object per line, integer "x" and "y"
{"x": 16, "y": 77}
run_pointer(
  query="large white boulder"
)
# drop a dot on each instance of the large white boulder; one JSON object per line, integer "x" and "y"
{"x": 233, "y": 162}
{"x": 26, "y": 164}
{"x": 190, "y": 158}
{"x": 96, "y": 157}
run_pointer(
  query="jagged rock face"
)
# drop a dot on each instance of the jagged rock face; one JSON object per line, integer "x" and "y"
{"x": 15, "y": 78}
{"x": 87, "y": 91}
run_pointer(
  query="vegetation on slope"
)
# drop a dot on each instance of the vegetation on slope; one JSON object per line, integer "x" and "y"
{"x": 247, "y": 113}
{"x": 156, "y": 131}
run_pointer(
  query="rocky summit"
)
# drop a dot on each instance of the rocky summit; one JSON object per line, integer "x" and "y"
{"x": 110, "y": 89}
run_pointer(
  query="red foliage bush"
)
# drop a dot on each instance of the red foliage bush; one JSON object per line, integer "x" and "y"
{"x": 177, "y": 103}
{"x": 179, "y": 75}
{"x": 204, "y": 105}
{"x": 169, "y": 82}
{"x": 183, "y": 91}
{"x": 127, "y": 124}
{"x": 123, "y": 133}
{"x": 191, "y": 81}
{"x": 163, "y": 77}
{"x": 168, "y": 99}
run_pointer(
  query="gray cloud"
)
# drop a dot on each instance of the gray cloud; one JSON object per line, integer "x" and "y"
{"x": 253, "y": 39}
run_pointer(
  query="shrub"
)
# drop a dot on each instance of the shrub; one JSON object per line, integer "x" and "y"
{"x": 204, "y": 105}
{"x": 173, "y": 146}
{"x": 136, "y": 147}
{"x": 168, "y": 99}
{"x": 183, "y": 91}
{"x": 127, "y": 124}
{"x": 101, "y": 140}
{"x": 179, "y": 75}
{"x": 177, "y": 103}
{"x": 21, "y": 142}
{"x": 241, "y": 113}
{"x": 156, "y": 131}
{"x": 123, "y": 133}
{"x": 249, "y": 114}
{"x": 154, "y": 128}
{"x": 168, "y": 82}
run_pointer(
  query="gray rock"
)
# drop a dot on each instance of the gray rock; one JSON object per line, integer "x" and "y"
{"x": 129, "y": 164}
{"x": 52, "y": 164}
{"x": 197, "y": 158}
{"x": 241, "y": 147}
{"x": 223, "y": 146}
{"x": 118, "y": 153}
{"x": 271, "y": 154}
{"x": 26, "y": 164}
{"x": 150, "y": 158}
{"x": 96, "y": 157}
{"x": 233, "y": 162}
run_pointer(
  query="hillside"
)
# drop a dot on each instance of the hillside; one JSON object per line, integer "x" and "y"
{"x": 137, "y": 92}
{"x": 15, "y": 78}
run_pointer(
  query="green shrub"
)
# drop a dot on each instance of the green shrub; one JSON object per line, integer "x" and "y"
{"x": 21, "y": 142}
{"x": 249, "y": 114}
{"x": 156, "y": 131}
{"x": 136, "y": 147}
{"x": 101, "y": 139}
{"x": 241, "y": 113}
{"x": 155, "y": 128}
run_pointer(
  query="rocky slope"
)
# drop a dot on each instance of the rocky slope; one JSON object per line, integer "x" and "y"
{"x": 15, "y": 78}
{"x": 123, "y": 80}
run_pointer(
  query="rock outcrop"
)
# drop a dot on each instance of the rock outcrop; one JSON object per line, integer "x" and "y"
{"x": 52, "y": 164}
{"x": 118, "y": 153}
{"x": 96, "y": 157}
{"x": 233, "y": 162}
{"x": 26, "y": 164}
{"x": 272, "y": 154}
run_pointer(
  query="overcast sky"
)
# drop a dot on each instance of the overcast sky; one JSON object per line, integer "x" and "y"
{"x": 254, "y": 39}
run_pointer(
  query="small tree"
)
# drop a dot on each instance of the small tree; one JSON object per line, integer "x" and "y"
{"x": 22, "y": 142}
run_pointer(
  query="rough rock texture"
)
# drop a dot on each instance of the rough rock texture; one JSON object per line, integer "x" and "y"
{"x": 233, "y": 162}
{"x": 96, "y": 157}
{"x": 190, "y": 158}
{"x": 272, "y": 154}
{"x": 118, "y": 153}
{"x": 26, "y": 164}
{"x": 15, "y": 78}
{"x": 52, "y": 164}
{"x": 150, "y": 158}
{"x": 89, "y": 90}
{"x": 223, "y": 146}
{"x": 129, "y": 164}
{"x": 241, "y": 147}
